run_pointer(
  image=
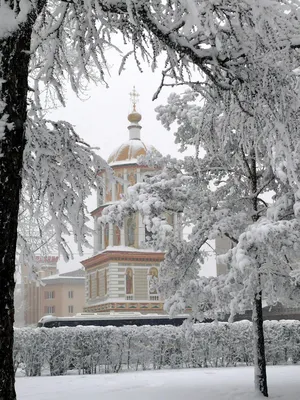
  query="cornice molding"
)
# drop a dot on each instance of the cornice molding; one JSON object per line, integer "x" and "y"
{"x": 122, "y": 256}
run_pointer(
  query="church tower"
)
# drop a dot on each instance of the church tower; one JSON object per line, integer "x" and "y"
{"x": 120, "y": 275}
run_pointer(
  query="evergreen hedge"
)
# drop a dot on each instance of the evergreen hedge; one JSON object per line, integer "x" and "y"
{"x": 91, "y": 350}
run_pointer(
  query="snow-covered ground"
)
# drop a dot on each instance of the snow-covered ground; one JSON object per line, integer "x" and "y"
{"x": 188, "y": 384}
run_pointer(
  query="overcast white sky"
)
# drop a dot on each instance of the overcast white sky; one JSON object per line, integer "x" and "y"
{"x": 101, "y": 120}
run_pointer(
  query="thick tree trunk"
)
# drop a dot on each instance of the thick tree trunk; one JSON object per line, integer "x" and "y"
{"x": 14, "y": 61}
{"x": 260, "y": 373}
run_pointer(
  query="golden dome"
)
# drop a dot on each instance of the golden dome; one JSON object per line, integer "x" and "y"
{"x": 129, "y": 151}
{"x": 134, "y": 117}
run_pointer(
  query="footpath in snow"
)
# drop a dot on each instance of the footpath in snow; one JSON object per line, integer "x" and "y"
{"x": 187, "y": 384}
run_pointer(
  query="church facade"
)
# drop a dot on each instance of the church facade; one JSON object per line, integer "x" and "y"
{"x": 120, "y": 275}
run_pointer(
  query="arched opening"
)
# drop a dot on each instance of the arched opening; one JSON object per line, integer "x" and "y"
{"x": 117, "y": 236}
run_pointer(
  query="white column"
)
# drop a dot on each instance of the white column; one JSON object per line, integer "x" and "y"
{"x": 111, "y": 235}
{"x": 138, "y": 175}
{"x": 104, "y": 189}
{"x": 96, "y": 236}
{"x": 113, "y": 191}
{"x": 125, "y": 181}
{"x": 141, "y": 230}
{"x": 122, "y": 230}
{"x": 100, "y": 237}
{"x": 133, "y": 282}
{"x": 103, "y": 238}
{"x": 134, "y": 131}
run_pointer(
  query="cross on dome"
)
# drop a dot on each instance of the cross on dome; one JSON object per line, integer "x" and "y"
{"x": 134, "y": 117}
{"x": 129, "y": 151}
{"x": 134, "y": 96}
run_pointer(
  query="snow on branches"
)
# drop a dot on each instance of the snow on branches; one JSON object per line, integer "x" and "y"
{"x": 59, "y": 173}
{"x": 62, "y": 41}
{"x": 232, "y": 188}
{"x": 245, "y": 52}
{"x": 249, "y": 202}
{"x": 10, "y": 20}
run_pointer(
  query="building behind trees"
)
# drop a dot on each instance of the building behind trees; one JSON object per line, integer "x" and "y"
{"x": 122, "y": 273}
{"x": 48, "y": 293}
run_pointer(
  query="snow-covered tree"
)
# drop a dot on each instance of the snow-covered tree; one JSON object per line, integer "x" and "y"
{"x": 222, "y": 193}
{"x": 233, "y": 43}
{"x": 248, "y": 54}
{"x": 41, "y": 46}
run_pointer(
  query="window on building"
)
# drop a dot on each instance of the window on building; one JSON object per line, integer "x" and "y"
{"x": 50, "y": 295}
{"x": 119, "y": 187}
{"x": 130, "y": 231}
{"x": 90, "y": 286}
{"x": 49, "y": 310}
{"x": 117, "y": 236}
{"x": 170, "y": 219}
{"x": 71, "y": 309}
{"x": 98, "y": 284}
{"x": 99, "y": 236}
{"x": 105, "y": 281}
{"x": 131, "y": 179}
{"x": 70, "y": 294}
{"x": 106, "y": 235}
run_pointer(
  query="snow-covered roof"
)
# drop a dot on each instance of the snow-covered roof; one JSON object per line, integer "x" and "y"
{"x": 127, "y": 162}
{"x": 129, "y": 151}
{"x": 78, "y": 274}
{"x": 57, "y": 276}
{"x": 74, "y": 274}
{"x": 127, "y": 248}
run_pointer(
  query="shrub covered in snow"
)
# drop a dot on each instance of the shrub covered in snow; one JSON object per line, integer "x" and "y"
{"x": 90, "y": 350}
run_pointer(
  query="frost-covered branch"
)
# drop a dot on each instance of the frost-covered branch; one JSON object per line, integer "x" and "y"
{"x": 59, "y": 173}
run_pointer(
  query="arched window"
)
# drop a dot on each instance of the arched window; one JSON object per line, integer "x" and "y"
{"x": 132, "y": 179}
{"x": 117, "y": 236}
{"x": 106, "y": 235}
{"x": 119, "y": 186}
{"x": 130, "y": 228}
{"x": 129, "y": 281}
